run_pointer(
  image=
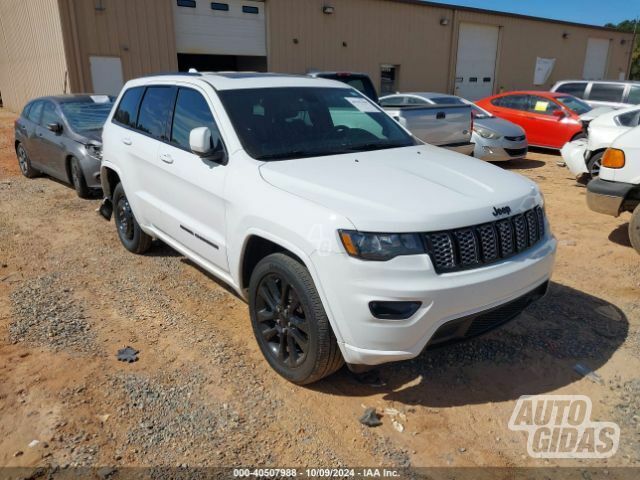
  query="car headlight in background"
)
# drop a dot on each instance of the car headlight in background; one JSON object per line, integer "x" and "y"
{"x": 380, "y": 246}
{"x": 94, "y": 150}
{"x": 484, "y": 133}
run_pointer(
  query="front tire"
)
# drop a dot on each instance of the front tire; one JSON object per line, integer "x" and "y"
{"x": 594, "y": 164}
{"x": 129, "y": 231}
{"x": 289, "y": 321}
{"x": 634, "y": 229}
{"x": 24, "y": 162}
{"x": 77, "y": 179}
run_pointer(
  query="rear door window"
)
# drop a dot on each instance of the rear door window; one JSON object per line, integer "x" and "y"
{"x": 514, "y": 102}
{"x": 155, "y": 110}
{"x": 634, "y": 95}
{"x": 192, "y": 111}
{"x": 573, "y": 88}
{"x": 606, "y": 92}
{"x": 127, "y": 112}
{"x": 35, "y": 112}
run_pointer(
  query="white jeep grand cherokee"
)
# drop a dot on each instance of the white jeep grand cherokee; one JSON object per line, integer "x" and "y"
{"x": 351, "y": 240}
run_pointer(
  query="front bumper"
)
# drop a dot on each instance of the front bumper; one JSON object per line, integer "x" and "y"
{"x": 500, "y": 150}
{"x": 607, "y": 197}
{"x": 350, "y": 284}
{"x": 573, "y": 154}
{"x": 464, "y": 148}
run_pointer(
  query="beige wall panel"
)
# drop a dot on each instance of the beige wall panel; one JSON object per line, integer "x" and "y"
{"x": 376, "y": 32}
{"x": 409, "y": 35}
{"x": 140, "y": 32}
{"x": 32, "y": 58}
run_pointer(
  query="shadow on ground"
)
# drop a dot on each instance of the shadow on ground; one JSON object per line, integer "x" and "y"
{"x": 621, "y": 235}
{"x": 521, "y": 164}
{"x": 533, "y": 354}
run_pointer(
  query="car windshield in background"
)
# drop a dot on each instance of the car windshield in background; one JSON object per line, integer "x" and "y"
{"x": 447, "y": 101}
{"x": 286, "y": 123}
{"x": 85, "y": 115}
{"x": 574, "y": 104}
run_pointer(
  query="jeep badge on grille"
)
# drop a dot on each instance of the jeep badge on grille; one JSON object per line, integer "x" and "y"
{"x": 501, "y": 211}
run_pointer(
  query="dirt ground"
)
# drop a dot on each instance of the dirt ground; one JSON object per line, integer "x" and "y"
{"x": 201, "y": 394}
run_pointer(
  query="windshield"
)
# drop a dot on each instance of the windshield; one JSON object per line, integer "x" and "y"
{"x": 285, "y": 123}
{"x": 574, "y": 104}
{"x": 85, "y": 115}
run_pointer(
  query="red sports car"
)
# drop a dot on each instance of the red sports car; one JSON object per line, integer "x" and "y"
{"x": 549, "y": 119}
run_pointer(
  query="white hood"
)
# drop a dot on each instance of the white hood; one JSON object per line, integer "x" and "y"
{"x": 410, "y": 189}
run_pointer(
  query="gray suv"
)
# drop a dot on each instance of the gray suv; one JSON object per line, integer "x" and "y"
{"x": 602, "y": 93}
{"x": 61, "y": 136}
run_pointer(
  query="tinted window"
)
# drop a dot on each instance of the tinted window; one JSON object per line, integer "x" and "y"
{"x": 222, "y": 7}
{"x": 287, "y": 123}
{"x": 629, "y": 119}
{"x": 416, "y": 101}
{"x": 35, "y": 111}
{"x": 49, "y": 114}
{"x": 127, "y": 112}
{"x": 634, "y": 95}
{"x": 393, "y": 101}
{"x": 574, "y": 104}
{"x": 192, "y": 111}
{"x": 25, "y": 110}
{"x": 606, "y": 92}
{"x": 575, "y": 88}
{"x": 359, "y": 82}
{"x": 84, "y": 115}
{"x": 154, "y": 111}
{"x": 514, "y": 102}
{"x": 447, "y": 101}
{"x": 542, "y": 105}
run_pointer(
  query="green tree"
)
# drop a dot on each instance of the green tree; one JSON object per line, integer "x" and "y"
{"x": 631, "y": 26}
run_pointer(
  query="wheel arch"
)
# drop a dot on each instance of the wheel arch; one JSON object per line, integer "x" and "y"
{"x": 109, "y": 178}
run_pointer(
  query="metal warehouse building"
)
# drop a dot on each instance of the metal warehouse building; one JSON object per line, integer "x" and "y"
{"x": 55, "y": 46}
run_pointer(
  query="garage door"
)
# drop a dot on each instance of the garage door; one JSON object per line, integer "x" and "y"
{"x": 229, "y": 27}
{"x": 595, "y": 63}
{"x": 476, "y": 61}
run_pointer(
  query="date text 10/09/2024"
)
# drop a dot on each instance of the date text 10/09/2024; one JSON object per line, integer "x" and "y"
{"x": 316, "y": 473}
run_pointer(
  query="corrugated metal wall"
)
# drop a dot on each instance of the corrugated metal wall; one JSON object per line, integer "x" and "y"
{"x": 32, "y": 58}
{"x": 388, "y": 32}
{"x": 140, "y": 32}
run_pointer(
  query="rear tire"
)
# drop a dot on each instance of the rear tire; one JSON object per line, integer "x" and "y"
{"x": 594, "y": 164}
{"x": 634, "y": 229}
{"x": 77, "y": 179}
{"x": 289, "y": 321}
{"x": 129, "y": 231}
{"x": 24, "y": 162}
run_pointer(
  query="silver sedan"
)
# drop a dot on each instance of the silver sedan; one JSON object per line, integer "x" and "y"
{"x": 495, "y": 139}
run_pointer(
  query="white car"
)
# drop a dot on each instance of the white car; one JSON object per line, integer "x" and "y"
{"x": 350, "y": 240}
{"x": 617, "y": 189}
{"x": 584, "y": 156}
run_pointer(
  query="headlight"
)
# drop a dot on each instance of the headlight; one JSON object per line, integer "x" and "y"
{"x": 380, "y": 246}
{"x": 484, "y": 133}
{"x": 94, "y": 150}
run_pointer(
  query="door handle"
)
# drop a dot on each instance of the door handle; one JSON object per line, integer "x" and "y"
{"x": 166, "y": 158}
{"x": 126, "y": 141}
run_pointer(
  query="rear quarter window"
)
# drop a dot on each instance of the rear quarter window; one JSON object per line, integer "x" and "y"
{"x": 606, "y": 92}
{"x": 127, "y": 111}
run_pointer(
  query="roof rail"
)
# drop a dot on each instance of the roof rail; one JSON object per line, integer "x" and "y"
{"x": 161, "y": 74}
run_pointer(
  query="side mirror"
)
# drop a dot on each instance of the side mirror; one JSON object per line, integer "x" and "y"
{"x": 559, "y": 114}
{"x": 54, "y": 127}
{"x": 200, "y": 144}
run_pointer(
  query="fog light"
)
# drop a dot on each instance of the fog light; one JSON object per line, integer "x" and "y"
{"x": 613, "y": 158}
{"x": 393, "y": 310}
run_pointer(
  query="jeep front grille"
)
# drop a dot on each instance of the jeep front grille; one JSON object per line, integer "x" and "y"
{"x": 479, "y": 245}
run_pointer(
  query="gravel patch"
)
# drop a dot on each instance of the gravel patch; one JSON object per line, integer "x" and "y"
{"x": 46, "y": 314}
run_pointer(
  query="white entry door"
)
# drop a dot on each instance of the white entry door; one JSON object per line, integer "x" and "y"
{"x": 595, "y": 62}
{"x": 106, "y": 75}
{"x": 476, "y": 60}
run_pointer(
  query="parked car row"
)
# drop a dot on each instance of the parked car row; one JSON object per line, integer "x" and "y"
{"x": 351, "y": 240}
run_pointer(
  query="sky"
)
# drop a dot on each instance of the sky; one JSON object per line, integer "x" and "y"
{"x": 593, "y": 12}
